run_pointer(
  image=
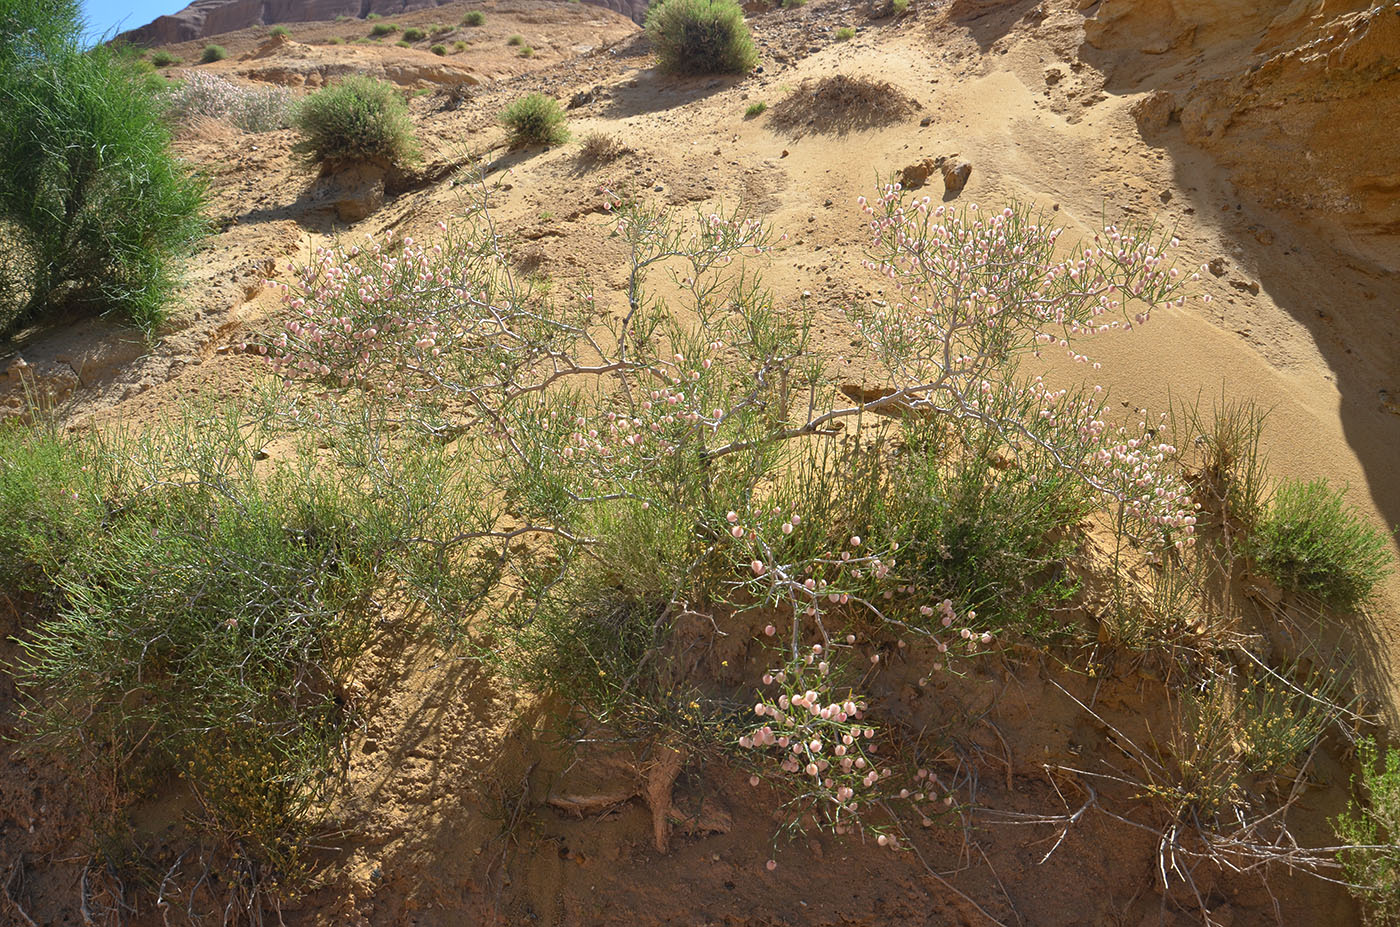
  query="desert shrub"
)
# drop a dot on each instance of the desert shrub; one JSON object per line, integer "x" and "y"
{"x": 516, "y": 39}
{"x": 692, "y": 475}
{"x": 163, "y": 59}
{"x": 899, "y": 7}
{"x": 526, "y": 52}
{"x": 701, "y": 37}
{"x": 1370, "y": 829}
{"x": 535, "y": 119}
{"x": 1310, "y": 540}
{"x": 755, "y": 110}
{"x": 439, "y": 49}
{"x": 335, "y": 40}
{"x": 45, "y": 492}
{"x": 280, "y": 32}
{"x": 414, "y": 34}
{"x": 1233, "y": 736}
{"x": 216, "y": 97}
{"x": 459, "y": 45}
{"x": 357, "y": 120}
{"x": 845, "y": 34}
{"x": 474, "y": 18}
{"x": 95, "y": 211}
{"x": 404, "y": 43}
{"x": 439, "y": 29}
{"x": 382, "y": 29}
{"x": 213, "y": 53}
{"x": 994, "y": 538}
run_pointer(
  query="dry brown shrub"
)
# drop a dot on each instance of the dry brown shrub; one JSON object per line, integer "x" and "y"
{"x": 600, "y": 148}
{"x": 839, "y": 104}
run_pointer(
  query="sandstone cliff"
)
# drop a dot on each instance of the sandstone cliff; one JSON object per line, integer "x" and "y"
{"x": 205, "y": 18}
{"x": 1298, "y": 99}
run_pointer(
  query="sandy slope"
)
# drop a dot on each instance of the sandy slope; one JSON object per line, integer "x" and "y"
{"x": 1299, "y": 322}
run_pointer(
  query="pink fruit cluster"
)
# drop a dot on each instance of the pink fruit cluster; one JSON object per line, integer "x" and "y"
{"x": 667, "y": 402}
{"x": 826, "y": 748}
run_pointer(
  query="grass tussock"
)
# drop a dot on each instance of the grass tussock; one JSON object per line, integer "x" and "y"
{"x": 701, "y": 37}
{"x": 600, "y": 148}
{"x": 535, "y": 119}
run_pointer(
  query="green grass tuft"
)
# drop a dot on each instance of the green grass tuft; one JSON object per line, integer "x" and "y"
{"x": 535, "y": 119}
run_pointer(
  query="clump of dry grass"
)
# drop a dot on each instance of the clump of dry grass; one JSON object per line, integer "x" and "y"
{"x": 840, "y": 104}
{"x": 600, "y": 148}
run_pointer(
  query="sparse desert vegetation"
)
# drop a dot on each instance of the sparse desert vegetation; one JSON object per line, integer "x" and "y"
{"x": 753, "y": 521}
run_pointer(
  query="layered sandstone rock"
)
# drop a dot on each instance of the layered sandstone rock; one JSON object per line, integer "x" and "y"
{"x": 1299, "y": 99}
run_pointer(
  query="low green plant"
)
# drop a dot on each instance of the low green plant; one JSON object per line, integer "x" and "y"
{"x": 372, "y": 17}
{"x": 459, "y": 46}
{"x": 213, "y": 53}
{"x": 526, "y": 52}
{"x": 404, "y": 43}
{"x": 439, "y": 29}
{"x": 1370, "y": 830}
{"x": 899, "y": 7}
{"x": 1311, "y": 540}
{"x": 360, "y": 120}
{"x": 414, "y": 34}
{"x": 383, "y": 29}
{"x": 701, "y": 37}
{"x": 439, "y": 49}
{"x": 280, "y": 32}
{"x": 535, "y": 119}
{"x": 335, "y": 40}
{"x": 206, "y": 606}
{"x": 516, "y": 39}
{"x": 845, "y": 34}
{"x": 474, "y": 18}
{"x": 164, "y": 59}
{"x": 755, "y": 109}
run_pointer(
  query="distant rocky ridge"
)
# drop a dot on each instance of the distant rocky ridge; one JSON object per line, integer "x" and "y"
{"x": 205, "y": 18}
